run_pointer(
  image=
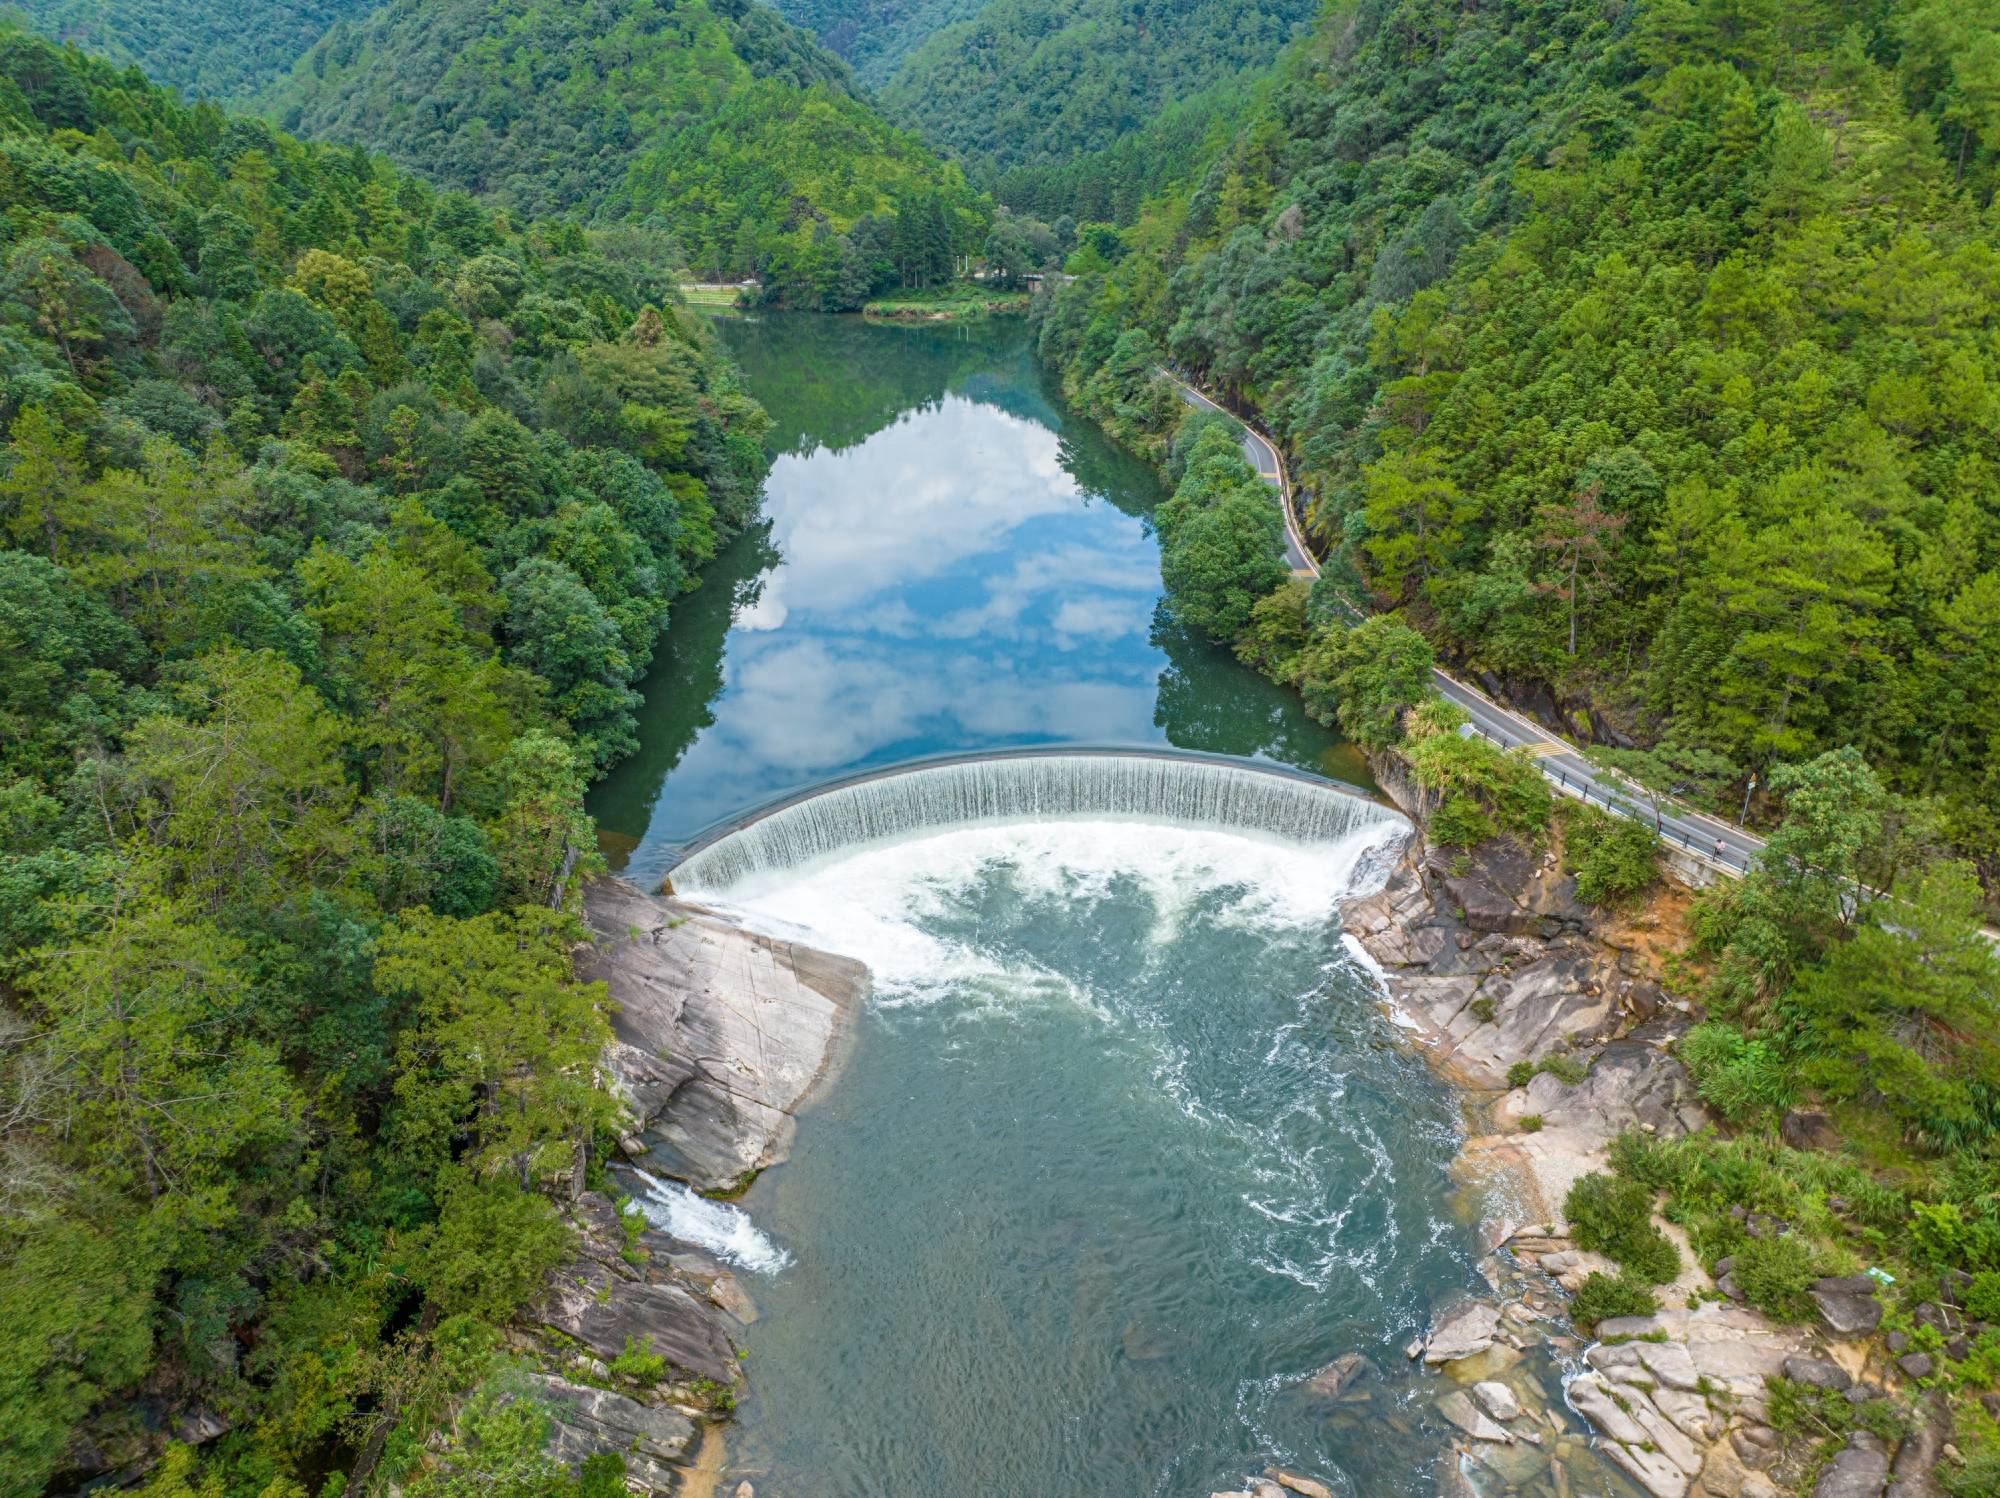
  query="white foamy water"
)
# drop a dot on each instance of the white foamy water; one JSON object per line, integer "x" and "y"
{"x": 875, "y": 903}
{"x": 724, "y": 1230}
{"x": 1014, "y": 790}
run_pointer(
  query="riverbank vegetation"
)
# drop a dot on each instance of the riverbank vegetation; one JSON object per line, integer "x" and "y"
{"x": 1642, "y": 363}
{"x": 341, "y": 514}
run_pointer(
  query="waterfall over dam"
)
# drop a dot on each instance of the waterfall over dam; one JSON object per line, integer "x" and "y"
{"x": 1037, "y": 785}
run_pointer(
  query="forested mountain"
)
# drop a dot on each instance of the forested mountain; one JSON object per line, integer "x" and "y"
{"x": 715, "y": 121}
{"x": 1078, "y": 107}
{"x": 339, "y": 516}
{"x": 875, "y": 35}
{"x": 219, "y": 49}
{"x": 1026, "y": 91}
{"x": 1646, "y": 358}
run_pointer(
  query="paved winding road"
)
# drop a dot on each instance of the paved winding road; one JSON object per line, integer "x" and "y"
{"x": 1722, "y": 845}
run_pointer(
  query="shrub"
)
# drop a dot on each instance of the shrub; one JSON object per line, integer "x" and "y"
{"x": 1614, "y": 1217}
{"x": 1736, "y": 1075}
{"x": 1602, "y": 1297}
{"x": 1613, "y": 859}
{"x": 1366, "y": 677}
{"x": 490, "y": 1249}
{"x": 1531, "y": 1123}
{"x": 1982, "y": 1298}
{"x": 1220, "y": 560}
{"x": 639, "y": 1362}
{"x": 1508, "y": 784}
{"x": 1460, "y": 822}
{"x": 1774, "y": 1274}
{"x": 1567, "y": 1070}
{"x": 1276, "y": 637}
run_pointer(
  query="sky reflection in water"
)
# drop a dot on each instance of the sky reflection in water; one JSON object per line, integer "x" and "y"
{"x": 950, "y": 561}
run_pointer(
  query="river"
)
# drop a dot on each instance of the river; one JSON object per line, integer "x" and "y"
{"x": 949, "y": 561}
{"x": 1124, "y": 1151}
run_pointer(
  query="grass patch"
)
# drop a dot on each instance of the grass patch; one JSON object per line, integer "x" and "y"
{"x": 639, "y": 1362}
{"x": 1567, "y": 1070}
{"x": 961, "y": 299}
{"x": 1614, "y": 860}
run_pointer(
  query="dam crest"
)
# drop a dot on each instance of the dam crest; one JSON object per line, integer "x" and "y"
{"x": 1177, "y": 787}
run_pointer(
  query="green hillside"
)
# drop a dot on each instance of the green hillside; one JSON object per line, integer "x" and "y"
{"x": 716, "y": 122}
{"x": 1027, "y": 89}
{"x": 339, "y": 517}
{"x": 219, "y": 49}
{"x": 875, "y": 35}
{"x": 1646, "y": 361}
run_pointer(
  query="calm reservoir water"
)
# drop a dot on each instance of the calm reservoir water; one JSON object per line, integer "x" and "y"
{"x": 950, "y": 562}
{"x": 1124, "y": 1151}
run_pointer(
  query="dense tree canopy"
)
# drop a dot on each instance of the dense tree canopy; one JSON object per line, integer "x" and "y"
{"x": 1077, "y": 107}
{"x": 1037, "y": 95}
{"x": 875, "y": 35}
{"x": 1646, "y": 359}
{"x": 340, "y": 516}
{"x": 218, "y": 49}
{"x": 711, "y": 120}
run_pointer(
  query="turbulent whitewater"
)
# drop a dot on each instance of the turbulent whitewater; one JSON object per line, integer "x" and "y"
{"x": 1123, "y": 1154}
{"x": 723, "y": 1230}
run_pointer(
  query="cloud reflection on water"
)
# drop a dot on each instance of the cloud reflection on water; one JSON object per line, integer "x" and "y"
{"x": 969, "y": 570}
{"x": 946, "y": 580}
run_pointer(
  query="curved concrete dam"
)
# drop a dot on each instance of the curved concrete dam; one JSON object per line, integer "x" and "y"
{"x": 1176, "y": 787}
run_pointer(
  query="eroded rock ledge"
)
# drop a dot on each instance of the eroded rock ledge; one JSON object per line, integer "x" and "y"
{"x": 1490, "y": 960}
{"x": 719, "y": 1036}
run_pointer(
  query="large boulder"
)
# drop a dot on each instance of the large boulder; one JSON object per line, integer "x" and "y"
{"x": 1809, "y": 1129}
{"x": 1910, "y": 1474}
{"x": 1819, "y": 1373}
{"x": 1847, "y": 1304}
{"x": 1464, "y": 1330}
{"x": 719, "y": 1033}
{"x": 605, "y": 1304}
{"x": 1860, "y": 1470}
{"x": 1341, "y": 1375}
{"x": 1468, "y": 1417}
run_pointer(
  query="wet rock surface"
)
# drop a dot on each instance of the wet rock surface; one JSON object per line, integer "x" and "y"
{"x": 719, "y": 1034}
{"x": 603, "y": 1302}
{"x": 586, "y": 1422}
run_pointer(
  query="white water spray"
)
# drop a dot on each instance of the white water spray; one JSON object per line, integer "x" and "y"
{"x": 1033, "y": 788}
{"x": 725, "y": 1231}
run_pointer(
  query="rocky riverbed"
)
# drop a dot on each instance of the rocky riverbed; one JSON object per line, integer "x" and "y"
{"x": 1491, "y": 963}
{"x": 1495, "y": 967}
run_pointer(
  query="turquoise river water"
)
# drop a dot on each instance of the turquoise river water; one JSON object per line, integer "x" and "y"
{"x": 1123, "y": 1150}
